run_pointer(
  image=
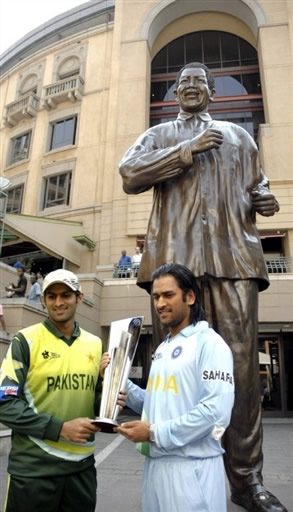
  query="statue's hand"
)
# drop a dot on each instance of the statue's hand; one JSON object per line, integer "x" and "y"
{"x": 264, "y": 202}
{"x": 209, "y": 139}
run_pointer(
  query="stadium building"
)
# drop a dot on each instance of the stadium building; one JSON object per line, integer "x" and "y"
{"x": 77, "y": 91}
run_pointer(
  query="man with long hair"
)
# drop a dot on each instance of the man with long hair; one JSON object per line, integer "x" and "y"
{"x": 186, "y": 406}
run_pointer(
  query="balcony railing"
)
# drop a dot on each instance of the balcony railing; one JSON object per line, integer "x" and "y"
{"x": 67, "y": 89}
{"x": 24, "y": 107}
{"x": 281, "y": 265}
{"x": 121, "y": 271}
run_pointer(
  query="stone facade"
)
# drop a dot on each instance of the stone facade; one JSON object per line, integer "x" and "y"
{"x": 92, "y": 72}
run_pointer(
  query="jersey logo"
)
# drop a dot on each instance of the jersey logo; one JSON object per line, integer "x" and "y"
{"x": 50, "y": 355}
{"x": 91, "y": 357}
{"x": 157, "y": 355}
{"x": 8, "y": 391}
{"x": 176, "y": 352}
{"x": 217, "y": 375}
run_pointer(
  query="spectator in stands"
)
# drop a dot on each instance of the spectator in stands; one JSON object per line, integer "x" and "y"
{"x": 136, "y": 259}
{"x": 20, "y": 288}
{"x": 35, "y": 291}
{"x": 18, "y": 264}
{"x": 124, "y": 265}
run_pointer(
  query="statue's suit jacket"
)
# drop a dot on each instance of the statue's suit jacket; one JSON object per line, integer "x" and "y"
{"x": 202, "y": 214}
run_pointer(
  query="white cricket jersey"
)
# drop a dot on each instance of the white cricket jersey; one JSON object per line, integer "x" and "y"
{"x": 189, "y": 395}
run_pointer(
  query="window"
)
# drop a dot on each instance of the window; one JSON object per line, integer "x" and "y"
{"x": 57, "y": 190}
{"x": 216, "y": 49}
{"x": 140, "y": 241}
{"x": 30, "y": 80}
{"x": 273, "y": 249}
{"x": 63, "y": 133}
{"x": 29, "y": 84}
{"x": 14, "y": 200}
{"x": 272, "y": 245}
{"x": 69, "y": 67}
{"x": 70, "y": 61}
{"x": 234, "y": 64}
{"x": 20, "y": 147}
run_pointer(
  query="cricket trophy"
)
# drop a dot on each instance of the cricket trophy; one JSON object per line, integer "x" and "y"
{"x": 123, "y": 341}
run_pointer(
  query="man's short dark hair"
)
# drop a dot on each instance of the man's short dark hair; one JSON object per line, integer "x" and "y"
{"x": 186, "y": 281}
{"x": 200, "y": 65}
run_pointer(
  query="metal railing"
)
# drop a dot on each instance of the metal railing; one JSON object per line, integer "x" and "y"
{"x": 282, "y": 265}
{"x": 123, "y": 271}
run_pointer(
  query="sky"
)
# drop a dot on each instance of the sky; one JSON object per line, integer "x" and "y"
{"x": 18, "y": 17}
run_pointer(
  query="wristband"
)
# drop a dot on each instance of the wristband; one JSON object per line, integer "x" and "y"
{"x": 152, "y": 434}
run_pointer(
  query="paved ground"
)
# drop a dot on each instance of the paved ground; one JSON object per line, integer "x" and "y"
{"x": 120, "y": 468}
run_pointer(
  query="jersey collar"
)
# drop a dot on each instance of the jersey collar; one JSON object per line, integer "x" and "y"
{"x": 54, "y": 330}
{"x": 189, "y": 330}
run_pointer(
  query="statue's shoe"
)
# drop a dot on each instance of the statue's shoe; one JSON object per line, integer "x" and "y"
{"x": 257, "y": 499}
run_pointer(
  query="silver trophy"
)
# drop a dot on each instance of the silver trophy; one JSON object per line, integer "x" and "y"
{"x": 123, "y": 341}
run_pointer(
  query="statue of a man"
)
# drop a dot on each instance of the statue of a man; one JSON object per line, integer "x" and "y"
{"x": 208, "y": 186}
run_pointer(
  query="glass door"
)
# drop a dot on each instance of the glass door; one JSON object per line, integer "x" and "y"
{"x": 270, "y": 374}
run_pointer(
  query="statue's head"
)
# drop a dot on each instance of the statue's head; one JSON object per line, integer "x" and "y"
{"x": 195, "y": 87}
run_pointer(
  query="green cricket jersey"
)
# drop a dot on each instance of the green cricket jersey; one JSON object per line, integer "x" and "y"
{"x": 45, "y": 380}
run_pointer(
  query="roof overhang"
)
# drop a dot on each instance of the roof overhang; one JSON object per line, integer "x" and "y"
{"x": 53, "y": 236}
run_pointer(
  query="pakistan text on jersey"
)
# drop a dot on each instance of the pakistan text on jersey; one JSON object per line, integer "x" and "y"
{"x": 71, "y": 381}
{"x": 217, "y": 375}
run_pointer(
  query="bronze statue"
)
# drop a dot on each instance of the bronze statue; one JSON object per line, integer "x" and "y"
{"x": 208, "y": 186}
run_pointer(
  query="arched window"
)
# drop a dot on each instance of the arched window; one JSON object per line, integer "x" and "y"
{"x": 69, "y": 67}
{"x": 234, "y": 64}
{"x": 29, "y": 84}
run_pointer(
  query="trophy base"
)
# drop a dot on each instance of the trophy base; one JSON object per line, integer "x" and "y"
{"x": 106, "y": 425}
